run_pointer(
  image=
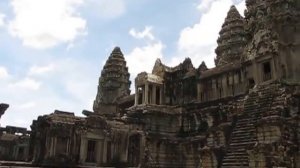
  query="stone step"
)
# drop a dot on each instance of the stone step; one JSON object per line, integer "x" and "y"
{"x": 247, "y": 118}
{"x": 231, "y": 164}
{"x": 242, "y": 135}
{"x": 242, "y": 132}
{"x": 241, "y": 143}
{"x": 244, "y": 123}
{"x": 235, "y": 160}
{"x": 235, "y": 167}
{"x": 236, "y": 154}
{"x": 250, "y": 137}
{"x": 241, "y": 138}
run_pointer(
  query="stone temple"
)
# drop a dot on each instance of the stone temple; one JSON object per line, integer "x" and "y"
{"x": 242, "y": 113}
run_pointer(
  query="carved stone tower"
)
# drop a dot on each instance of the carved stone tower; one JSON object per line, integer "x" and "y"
{"x": 114, "y": 83}
{"x": 232, "y": 38}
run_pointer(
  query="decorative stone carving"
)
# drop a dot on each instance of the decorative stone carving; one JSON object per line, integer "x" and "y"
{"x": 113, "y": 83}
{"x": 232, "y": 38}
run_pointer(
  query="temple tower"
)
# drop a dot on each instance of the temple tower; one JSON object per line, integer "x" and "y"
{"x": 114, "y": 83}
{"x": 231, "y": 41}
{"x": 272, "y": 29}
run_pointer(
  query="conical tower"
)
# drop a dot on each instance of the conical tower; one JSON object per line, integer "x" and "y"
{"x": 231, "y": 41}
{"x": 114, "y": 83}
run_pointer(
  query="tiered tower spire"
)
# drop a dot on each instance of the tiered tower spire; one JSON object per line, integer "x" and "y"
{"x": 114, "y": 83}
{"x": 231, "y": 41}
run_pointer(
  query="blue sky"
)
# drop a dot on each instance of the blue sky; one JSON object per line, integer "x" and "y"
{"x": 52, "y": 51}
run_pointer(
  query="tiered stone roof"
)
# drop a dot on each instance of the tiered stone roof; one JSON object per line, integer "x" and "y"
{"x": 231, "y": 41}
{"x": 114, "y": 81}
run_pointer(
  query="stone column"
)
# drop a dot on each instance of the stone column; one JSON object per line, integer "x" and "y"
{"x": 256, "y": 75}
{"x": 51, "y": 146}
{"x": 161, "y": 95}
{"x": 54, "y": 146}
{"x": 68, "y": 145}
{"x": 147, "y": 93}
{"x": 136, "y": 99}
{"x": 273, "y": 69}
{"x": 143, "y": 94}
{"x": 153, "y": 94}
{"x": 104, "y": 154}
{"x": 83, "y": 150}
{"x": 142, "y": 148}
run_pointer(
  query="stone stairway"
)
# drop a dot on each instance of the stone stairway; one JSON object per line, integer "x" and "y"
{"x": 244, "y": 134}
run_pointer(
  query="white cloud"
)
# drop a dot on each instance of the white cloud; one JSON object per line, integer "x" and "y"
{"x": 146, "y": 33}
{"x": 26, "y": 83}
{"x": 204, "y": 5}
{"x": 26, "y": 105}
{"x": 70, "y": 87}
{"x": 2, "y": 16}
{"x": 143, "y": 58}
{"x": 38, "y": 70}
{"x": 3, "y": 73}
{"x": 200, "y": 40}
{"x": 241, "y": 7}
{"x": 107, "y": 9}
{"x": 43, "y": 24}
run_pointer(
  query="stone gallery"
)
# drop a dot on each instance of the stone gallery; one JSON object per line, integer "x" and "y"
{"x": 242, "y": 113}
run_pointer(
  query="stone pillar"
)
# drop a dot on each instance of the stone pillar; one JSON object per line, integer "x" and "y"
{"x": 68, "y": 145}
{"x": 147, "y": 93}
{"x": 51, "y": 147}
{"x": 273, "y": 69}
{"x": 153, "y": 94}
{"x": 143, "y": 94}
{"x": 54, "y": 146}
{"x": 83, "y": 150}
{"x": 161, "y": 95}
{"x": 136, "y": 99}
{"x": 256, "y": 75}
{"x": 104, "y": 154}
{"x": 142, "y": 148}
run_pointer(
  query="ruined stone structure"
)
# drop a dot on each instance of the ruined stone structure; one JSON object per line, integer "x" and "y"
{"x": 242, "y": 113}
{"x": 14, "y": 143}
{"x": 113, "y": 84}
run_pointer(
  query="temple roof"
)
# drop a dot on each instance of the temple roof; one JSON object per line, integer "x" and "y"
{"x": 220, "y": 69}
{"x": 185, "y": 64}
{"x": 231, "y": 41}
{"x": 144, "y": 77}
{"x": 114, "y": 80}
{"x": 202, "y": 67}
{"x": 63, "y": 117}
{"x": 151, "y": 108}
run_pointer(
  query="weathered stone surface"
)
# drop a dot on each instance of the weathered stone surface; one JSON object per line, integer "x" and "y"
{"x": 232, "y": 39}
{"x": 113, "y": 83}
{"x": 242, "y": 113}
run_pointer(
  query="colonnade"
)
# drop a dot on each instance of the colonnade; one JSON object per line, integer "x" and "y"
{"x": 150, "y": 93}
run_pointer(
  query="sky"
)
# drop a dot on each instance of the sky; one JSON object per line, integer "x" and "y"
{"x": 52, "y": 51}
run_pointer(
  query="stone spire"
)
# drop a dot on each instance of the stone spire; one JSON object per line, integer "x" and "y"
{"x": 231, "y": 41}
{"x": 202, "y": 67}
{"x": 114, "y": 83}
